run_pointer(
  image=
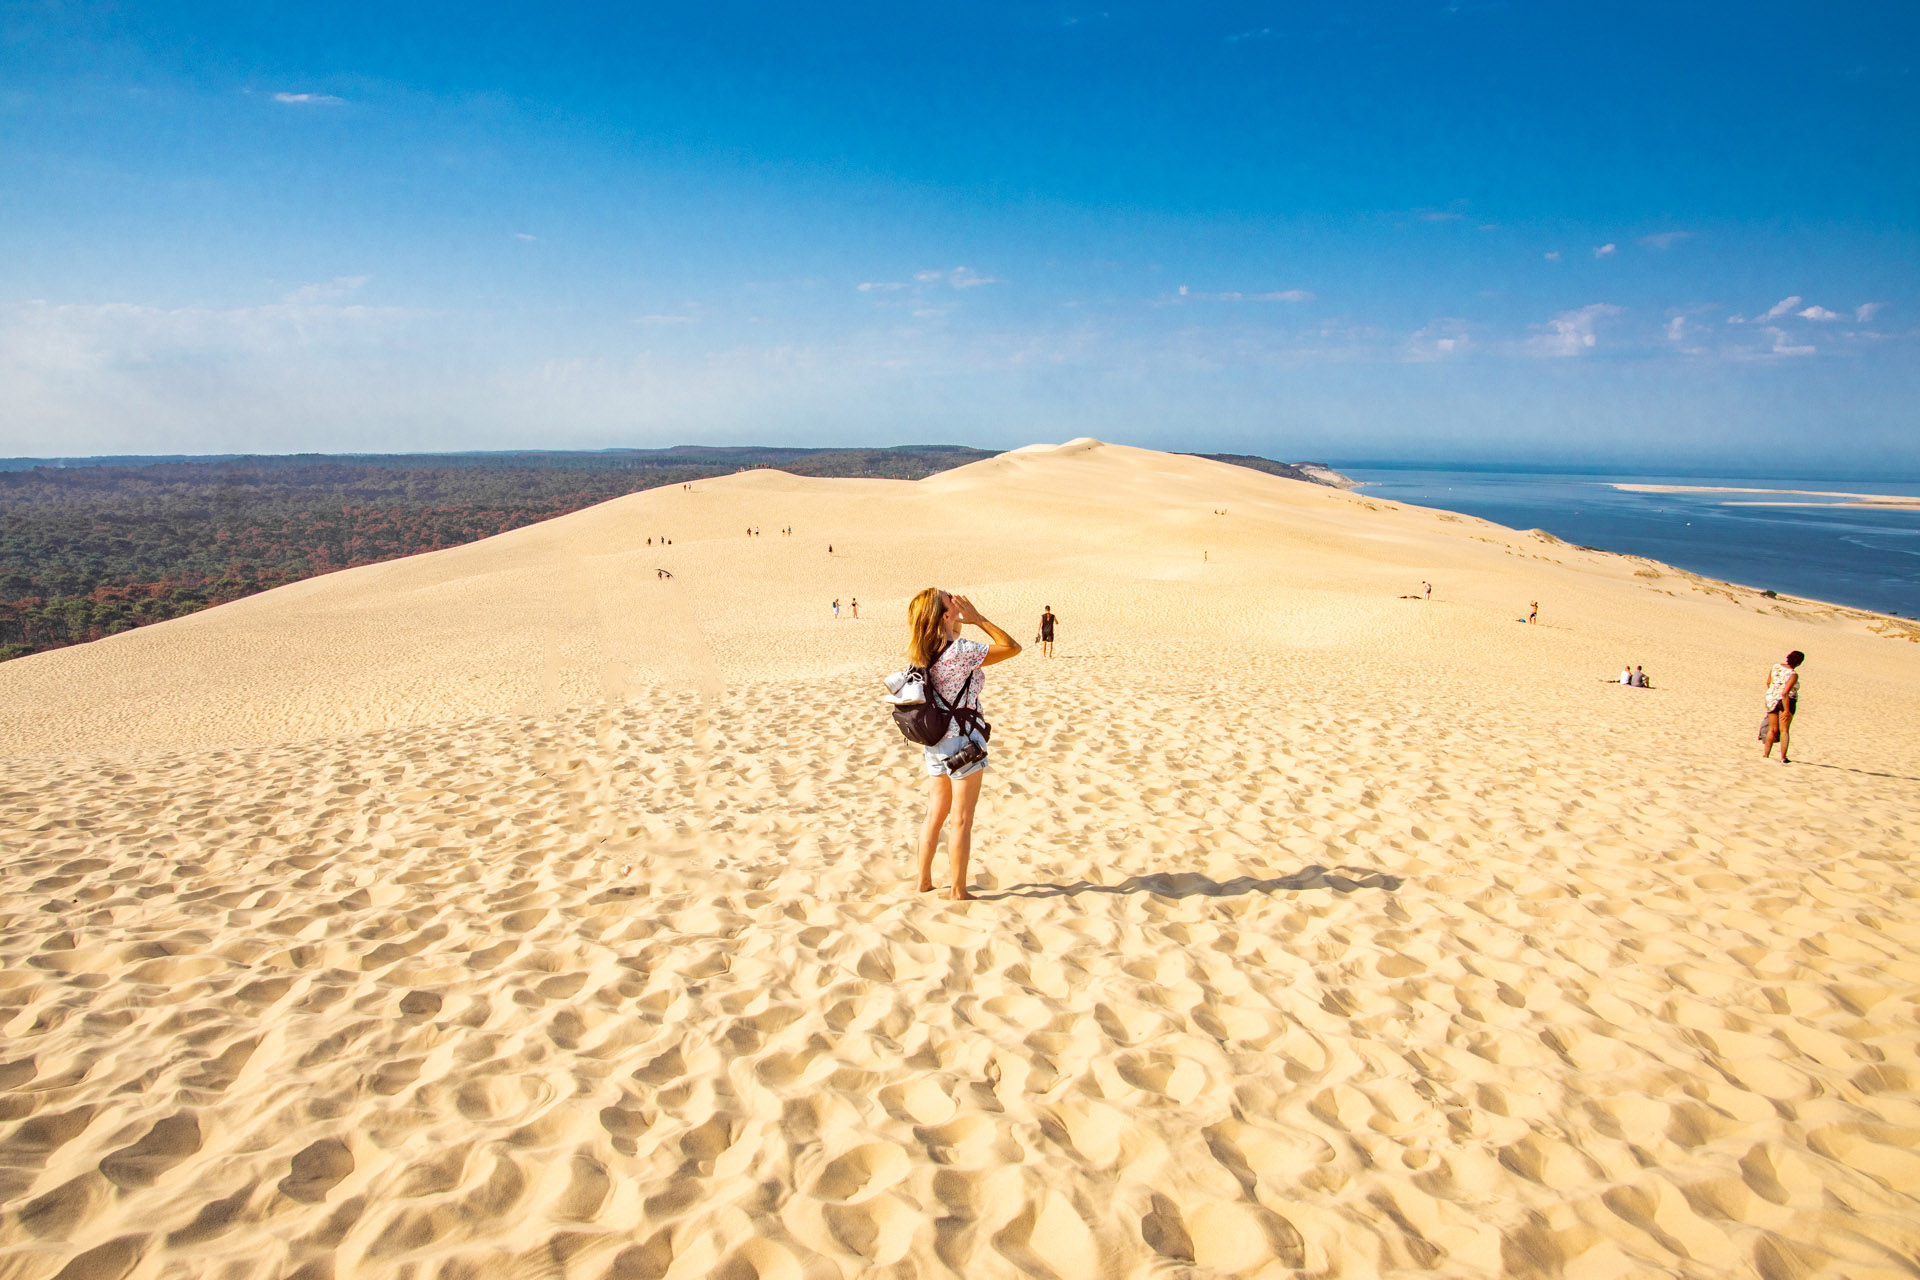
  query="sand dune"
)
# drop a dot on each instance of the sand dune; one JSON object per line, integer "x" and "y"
{"x": 514, "y": 911}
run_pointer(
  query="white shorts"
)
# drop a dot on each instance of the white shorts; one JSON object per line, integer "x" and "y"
{"x": 937, "y": 753}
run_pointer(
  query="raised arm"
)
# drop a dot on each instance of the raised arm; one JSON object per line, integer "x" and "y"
{"x": 1003, "y": 647}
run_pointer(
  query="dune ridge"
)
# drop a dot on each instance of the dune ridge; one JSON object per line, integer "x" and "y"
{"x": 515, "y": 911}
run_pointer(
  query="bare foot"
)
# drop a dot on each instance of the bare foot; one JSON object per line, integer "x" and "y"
{"x": 960, "y": 894}
{"x": 926, "y": 886}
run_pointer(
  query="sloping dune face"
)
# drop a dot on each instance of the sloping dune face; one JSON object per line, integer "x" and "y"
{"x": 520, "y": 909}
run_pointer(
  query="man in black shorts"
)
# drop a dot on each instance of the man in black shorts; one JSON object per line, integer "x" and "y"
{"x": 1046, "y": 630}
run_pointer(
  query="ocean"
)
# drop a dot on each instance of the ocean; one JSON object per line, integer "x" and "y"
{"x": 1869, "y": 559}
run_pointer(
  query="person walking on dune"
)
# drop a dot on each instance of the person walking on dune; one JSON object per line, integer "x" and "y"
{"x": 1045, "y": 634}
{"x": 1783, "y": 702}
{"x": 956, "y": 765}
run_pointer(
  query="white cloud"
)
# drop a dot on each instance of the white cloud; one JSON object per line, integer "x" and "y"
{"x": 1444, "y": 339}
{"x": 1780, "y": 308}
{"x": 1665, "y": 239}
{"x": 310, "y": 99}
{"x": 1278, "y": 295}
{"x": 521, "y": 235}
{"x": 1260, "y": 34}
{"x": 1605, "y": 250}
{"x": 1571, "y": 333}
{"x": 1817, "y": 313}
{"x": 958, "y": 277}
{"x": 663, "y": 319}
{"x": 1553, "y": 255}
{"x": 885, "y": 286}
{"x": 1782, "y": 347}
{"x": 1867, "y": 311}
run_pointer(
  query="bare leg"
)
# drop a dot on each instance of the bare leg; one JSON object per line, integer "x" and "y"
{"x": 939, "y": 801}
{"x": 1773, "y": 734}
{"x": 960, "y": 844}
{"x": 1786, "y": 723}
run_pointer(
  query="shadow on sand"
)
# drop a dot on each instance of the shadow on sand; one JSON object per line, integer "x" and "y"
{"x": 1190, "y": 884}
{"x": 1865, "y": 773}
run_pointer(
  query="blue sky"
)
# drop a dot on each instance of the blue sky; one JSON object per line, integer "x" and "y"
{"x": 1677, "y": 234}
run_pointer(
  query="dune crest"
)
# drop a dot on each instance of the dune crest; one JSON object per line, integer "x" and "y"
{"x": 516, "y": 910}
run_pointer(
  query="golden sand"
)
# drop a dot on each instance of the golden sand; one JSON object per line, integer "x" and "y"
{"x": 515, "y": 911}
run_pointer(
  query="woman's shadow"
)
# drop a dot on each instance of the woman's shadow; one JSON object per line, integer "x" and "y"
{"x": 1191, "y": 884}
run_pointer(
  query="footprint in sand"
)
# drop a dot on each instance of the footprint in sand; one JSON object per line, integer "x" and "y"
{"x": 59, "y": 1214}
{"x": 165, "y": 1145}
{"x": 861, "y": 1173}
{"x": 317, "y": 1169}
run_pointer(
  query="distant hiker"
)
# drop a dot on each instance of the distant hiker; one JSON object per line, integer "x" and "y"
{"x": 853, "y": 606}
{"x": 829, "y": 548}
{"x": 1783, "y": 702}
{"x": 1429, "y": 587}
{"x": 836, "y": 610}
{"x": 1533, "y": 613}
{"x": 1045, "y": 634}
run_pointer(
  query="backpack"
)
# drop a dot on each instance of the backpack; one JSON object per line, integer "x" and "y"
{"x": 927, "y": 721}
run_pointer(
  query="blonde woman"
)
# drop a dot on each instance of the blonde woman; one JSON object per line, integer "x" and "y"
{"x": 957, "y": 763}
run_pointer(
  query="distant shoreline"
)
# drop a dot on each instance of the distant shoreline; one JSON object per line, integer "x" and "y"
{"x": 1837, "y": 543}
{"x": 1893, "y": 500}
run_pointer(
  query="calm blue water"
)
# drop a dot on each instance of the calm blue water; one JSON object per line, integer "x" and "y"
{"x": 1868, "y": 559}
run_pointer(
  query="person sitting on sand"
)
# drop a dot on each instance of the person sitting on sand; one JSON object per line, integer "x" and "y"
{"x": 1626, "y": 675}
{"x": 1640, "y": 678}
{"x": 1783, "y": 702}
{"x": 956, "y": 763}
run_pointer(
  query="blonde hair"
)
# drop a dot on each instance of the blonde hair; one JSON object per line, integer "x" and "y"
{"x": 925, "y": 613}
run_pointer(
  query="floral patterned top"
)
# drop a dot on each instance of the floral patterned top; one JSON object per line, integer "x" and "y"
{"x": 1777, "y": 685}
{"x": 954, "y": 672}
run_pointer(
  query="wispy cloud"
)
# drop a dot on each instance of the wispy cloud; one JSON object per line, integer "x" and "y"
{"x": 1571, "y": 333}
{"x": 521, "y": 235}
{"x": 1444, "y": 339}
{"x": 1817, "y": 313}
{"x": 663, "y": 319}
{"x": 1278, "y": 295}
{"x": 1440, "y": 215}
{"x": 1682, "y": 333}
{"x": 1783, "y": 347}
{"x": 1780, "y": 308}
{"x": 1867, "y": 311}
{"x": 1552, "y": 255}
{"x": 958, "y": 277}
{"x": 1665, "y": 239}
{"x": 1261, "y": 33}
{"x": 338, "y": 287}
{"x": 1605, "y": 250}
{"x": 880, "y": 286}
{"x": 310, "y": 99}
